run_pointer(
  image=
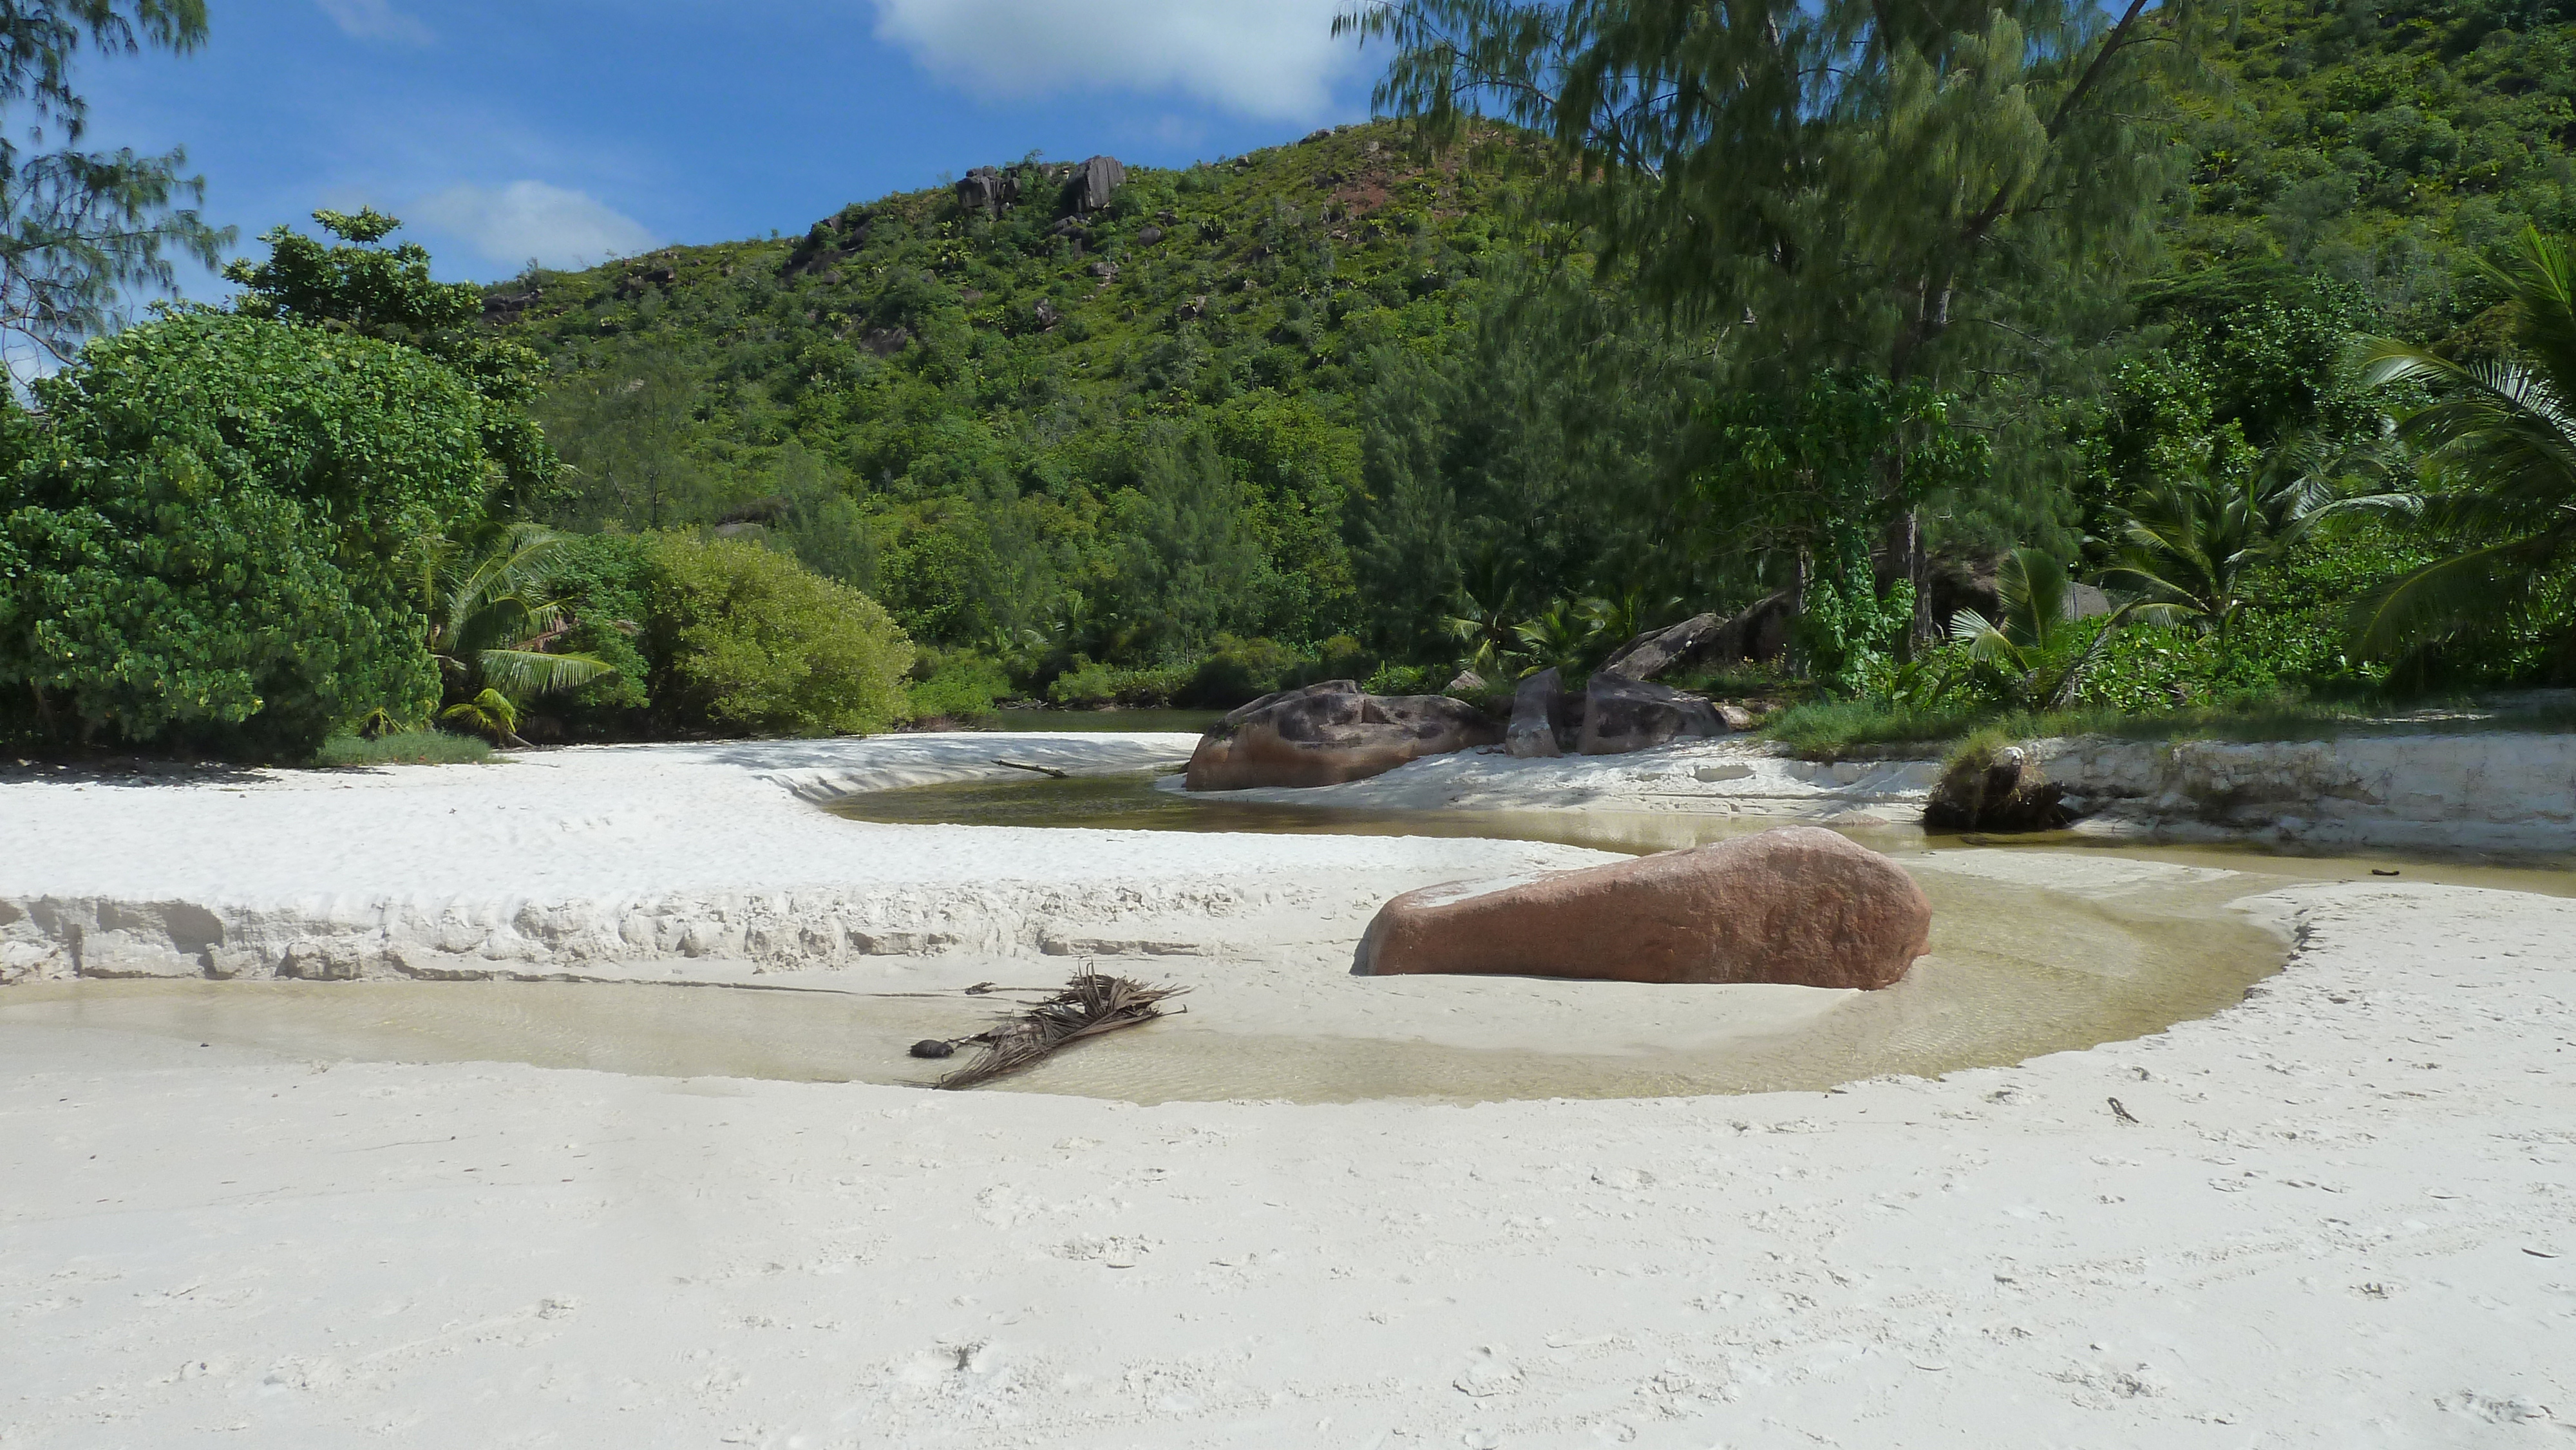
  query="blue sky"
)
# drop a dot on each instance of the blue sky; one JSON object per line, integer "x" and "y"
{"x": 570, "y": 130}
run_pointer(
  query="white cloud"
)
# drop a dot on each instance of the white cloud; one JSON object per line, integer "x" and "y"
{"x": 376, "y": 20}
{"x": 510, "y": 224}
{"x": 1274, "y": 59}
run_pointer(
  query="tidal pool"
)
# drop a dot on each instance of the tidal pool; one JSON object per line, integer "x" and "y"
{"x": 2038, "y": 946}
{"x": 2033, "y": 951}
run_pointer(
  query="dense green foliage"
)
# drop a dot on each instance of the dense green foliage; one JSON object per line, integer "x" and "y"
{"x": 2499, "y": 446}
{"x": 1122, "y": 433}
{"x": 202, "y": 535}
{"x": 358, "y": 287}
{"x": 1642, "y": 309}
{"x": 1431, "y": 399}
{"x": 723, "y": 637}
{"x": 2387, "y": 148}
{"x": 494, "y": 615}
{"x": 244, "y": 531}
{"x": 749, "y": 640}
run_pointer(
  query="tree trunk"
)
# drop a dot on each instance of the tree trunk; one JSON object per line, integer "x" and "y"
{"x": 1904, "y": 545}
{"x": 1798, "y": 582}
{"x": 1925, "y": 631}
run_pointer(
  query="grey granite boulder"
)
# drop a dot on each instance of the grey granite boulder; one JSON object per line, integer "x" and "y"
{"x": 1621, "y": 714}
{"x": 1331, "y": 732}
{"x": 1538, "y": 712}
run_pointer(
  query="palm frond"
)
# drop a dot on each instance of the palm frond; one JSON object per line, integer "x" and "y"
{"x": 522, "y": 673}
{"x": 1089, "y": 1005}
{"x": 2032, "y": 585}
{"x": 526, "y": 561}
{"x": 2543, "y": 285}
{"x": 2465, "y": 589}
{"x": 2500, "y": 444}
{"x": 488, "y": 714}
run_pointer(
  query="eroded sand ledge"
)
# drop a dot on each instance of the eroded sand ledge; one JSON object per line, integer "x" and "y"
{"x": 647, "y": 859}
{"x": 2327, "y": 1227}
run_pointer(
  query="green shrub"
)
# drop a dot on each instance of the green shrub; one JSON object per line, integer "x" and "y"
{"x": 1241, "y": 670}
{"x": 203, "y": 536}
{"x": 1094, "y": 686}
{"x": 958, "y": 685}
{"x": 603, "y": 582}
{"x": 409, "y": 747}
{"x": 1395, "y": 679}
{"x": 1338, "y": 658}
{"x": 746, "y": 638}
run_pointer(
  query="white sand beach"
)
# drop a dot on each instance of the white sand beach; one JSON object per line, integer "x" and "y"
{"x": 2341, "y": 1212}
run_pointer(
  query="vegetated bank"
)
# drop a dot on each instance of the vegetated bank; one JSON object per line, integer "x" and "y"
{"x": 1358, "y": 407}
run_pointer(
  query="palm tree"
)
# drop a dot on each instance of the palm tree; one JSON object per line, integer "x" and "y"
{"x": 2499, "y": 443}
{"x": 1484, "y": 627}
{"x": 491, "y": 620}
{"x": 2189, "y": 549}
{"x": 1561, "y": 636}
{"x": 2038, "y": 627}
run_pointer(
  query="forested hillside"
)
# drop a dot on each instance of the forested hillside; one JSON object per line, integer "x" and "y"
{"x": 1136, "y": 424}
{"x": 2389, "y": 147}
{"x": 1356, "y": 387}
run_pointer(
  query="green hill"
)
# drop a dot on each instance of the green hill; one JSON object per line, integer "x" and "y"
{"x": 970, "y": 410}
{"x": 1306, "y": 392}
{"x": 2388, "y": 147}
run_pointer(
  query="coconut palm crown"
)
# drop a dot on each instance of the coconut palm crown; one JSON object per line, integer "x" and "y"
{"x": 2499, "y": 448}
{"x": 492, "y": 617}
{"x": 2188, "y": 550}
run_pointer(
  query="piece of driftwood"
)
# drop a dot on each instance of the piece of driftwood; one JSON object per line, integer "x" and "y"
{"x": 1089, "y": 1005}
{"x": 1040, "y": 769}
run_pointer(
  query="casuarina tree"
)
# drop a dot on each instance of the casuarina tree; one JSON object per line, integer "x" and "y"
{"x": 80, "y": 228}
{"x": 1877, "y": 185}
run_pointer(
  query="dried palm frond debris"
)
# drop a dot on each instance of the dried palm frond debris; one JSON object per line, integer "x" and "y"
{"x": 1089, "y": 1005}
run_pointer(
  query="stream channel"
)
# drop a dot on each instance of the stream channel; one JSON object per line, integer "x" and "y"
{"x": 2038, "y": 946}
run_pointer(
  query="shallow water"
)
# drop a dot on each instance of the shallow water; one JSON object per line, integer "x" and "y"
{"x": 1134, "y": 801}
{"x": 2015, "y": 971}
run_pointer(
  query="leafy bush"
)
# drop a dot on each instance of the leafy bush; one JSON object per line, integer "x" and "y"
{"x": 958, "y": 685}
{"x": 1240, "y": 670}
{"x": 745, "y": 638}
{"x": 1395, "y": 679}
{"x": 203, "y": 535}
{"x": 1341, "y": 658}
{"x": 602, "y": 579}
{"x": 1847, "y": 629}
{"x": 409, "y": 747}
{"x": 1097, "y": 686}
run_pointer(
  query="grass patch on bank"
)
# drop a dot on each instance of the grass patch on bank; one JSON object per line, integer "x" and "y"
{"x": 410, "y": 747}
